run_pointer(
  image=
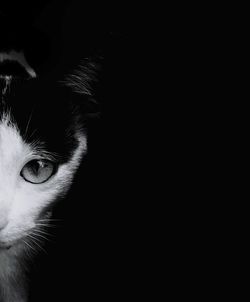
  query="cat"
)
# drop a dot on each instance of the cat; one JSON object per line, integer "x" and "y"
{"x": 42, "y": 142}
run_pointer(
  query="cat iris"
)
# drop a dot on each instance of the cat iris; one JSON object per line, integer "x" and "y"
{"x": 38, "y": 171}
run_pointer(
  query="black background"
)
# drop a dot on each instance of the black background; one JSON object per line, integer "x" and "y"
{"x": 92, "y": 249}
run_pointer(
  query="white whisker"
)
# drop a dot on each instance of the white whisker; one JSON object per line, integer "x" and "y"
{"x": 41, "y": 236}
{"x": 45, "y": 225}
{"x": 35, "y": 241}
{"x": 49, "y": 219}
{"x": 30, "y": 246}
{"x": 28, "y": 123}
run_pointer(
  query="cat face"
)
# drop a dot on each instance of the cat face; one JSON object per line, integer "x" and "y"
{"x": 41, "y": 145}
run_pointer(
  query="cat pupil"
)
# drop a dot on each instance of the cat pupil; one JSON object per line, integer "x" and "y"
{"x": 38, "y": 166}
{"x": 35, "y": 167}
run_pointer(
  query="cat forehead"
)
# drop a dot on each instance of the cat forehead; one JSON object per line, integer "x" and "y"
{"x": 48, "y": 129}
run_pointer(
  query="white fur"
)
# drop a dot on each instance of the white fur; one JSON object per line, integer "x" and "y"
{"x": 22, "y": 202}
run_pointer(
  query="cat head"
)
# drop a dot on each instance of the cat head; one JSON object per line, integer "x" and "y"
{"x": 42, "y": 141}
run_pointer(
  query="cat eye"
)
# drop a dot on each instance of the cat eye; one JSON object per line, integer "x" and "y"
{"x": 38, "y": 171}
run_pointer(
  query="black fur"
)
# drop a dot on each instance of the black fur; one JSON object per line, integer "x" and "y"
{"x": 45, "y": 116}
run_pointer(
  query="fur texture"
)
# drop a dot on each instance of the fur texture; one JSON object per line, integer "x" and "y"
{"x": 39, "y": 121}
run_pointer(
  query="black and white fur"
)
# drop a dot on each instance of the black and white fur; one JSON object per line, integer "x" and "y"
{"x": 39, "y": 119}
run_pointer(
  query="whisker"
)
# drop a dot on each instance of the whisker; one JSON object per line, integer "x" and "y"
{"x": 32, "y": 235}
{"x": 34, "y": 240}
{"x": 39, "y": 235}
{"x": 45, "y": 225}
{"x": 50, "y": 219}
{"x": 28, "y": 123}
{"x": 30, "y": 246}
{"x": 33, "y": 133}
{"x": 42, "y": 231}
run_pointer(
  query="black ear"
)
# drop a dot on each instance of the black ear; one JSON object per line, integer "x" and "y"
{"x": 85, "y": 86}
{"x": 20, "y": 38}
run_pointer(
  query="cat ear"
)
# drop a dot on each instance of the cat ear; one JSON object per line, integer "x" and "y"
{"x": 14, "y": 63}
{"x": 83, "y": 77}
{"x": 84, "y": 84}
